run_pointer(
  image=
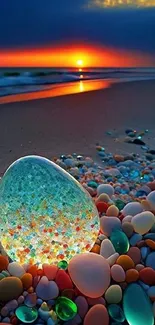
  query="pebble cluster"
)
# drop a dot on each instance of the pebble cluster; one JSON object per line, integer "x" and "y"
{"x": 113, "y": 284}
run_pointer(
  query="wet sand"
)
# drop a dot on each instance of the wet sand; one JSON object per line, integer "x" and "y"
{"x": 75, "y": 123}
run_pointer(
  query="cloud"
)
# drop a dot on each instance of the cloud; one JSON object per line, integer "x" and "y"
{"x": 121, "y": 3}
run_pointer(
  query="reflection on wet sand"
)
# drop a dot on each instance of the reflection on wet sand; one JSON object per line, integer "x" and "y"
{"x": 58, "y": 90}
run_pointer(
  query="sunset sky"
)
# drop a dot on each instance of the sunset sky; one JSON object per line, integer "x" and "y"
{"x": 63, "y": 32}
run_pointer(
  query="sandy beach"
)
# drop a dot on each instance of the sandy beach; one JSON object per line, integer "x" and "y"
{"x": 75, "y": 123}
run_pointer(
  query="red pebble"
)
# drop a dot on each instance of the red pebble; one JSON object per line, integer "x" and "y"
{"x": 102, "y": 206}
{"x": 121, "y": 217}
{"x": 147, "y": 275}
{"x": 3, "y": 262}
{"x": 63, "y": 280}
{"x": 13, "y": 320}
{"x": 33, "y": 270}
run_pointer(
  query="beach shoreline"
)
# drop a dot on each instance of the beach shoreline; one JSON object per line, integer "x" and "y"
{"x": 75, "y": 123}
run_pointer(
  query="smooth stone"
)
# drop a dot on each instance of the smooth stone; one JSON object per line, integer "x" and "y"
{"x": 112, "y": 259}
{"x": 150, "y": 260}
{"x": 137, "y": 306}
{"x": 151, "y": 199}
{"x": 48, "y": 200}
{"x": 90, "y": 273}
{"x": 127, "y": 219}
{"x": 103, "y": 198}
{"x": 26, "y": 314}
{"x": 132, "y": 209}
{"x": 132, "y": 275}
{"x": 16, "y": 269}
{"x": 31, "y": 300}
{"x": 143, "y": 222}
{"x": 3, "y": 262}
{"x": 143, "y": 285}
{"x": 127, "y": 227}
{"x": 113, "y": 295}
{"x": 112, "y": 211}
{"x": 109, "y": 224}
{"x": 27, "y": 280}
{"x": 135, "y": 239}
{"x": 105, "y": 189}
{"x": 120, "y": 241}
{"x": 144, "y": 252}
{"x": 126, "y": 262}
{"x": 95, "y": 315}
{"x": 82, "y": 305}
{"x": 117, "y": 273}
{"x": 135, "y": 254}
{"x": 46, "y": 289}
{"x": 50, "y": 271}
{"x": 139, "y": 267}
{"x": 96, "y": 301}
{"x": 151, "y": 293}
{"x": 63, "y": 280}
{"x": 150, "y": 236}
{"x": 10, "y": 288}
{"x": 102, "y": 237}
{"x": 12, "y": 305}
{"x": 65, "y": 308}
{"x": 107, "y": 249}
{"x": 116, "y": 313}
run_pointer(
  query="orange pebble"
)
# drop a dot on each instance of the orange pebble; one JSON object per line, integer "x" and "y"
{"x": 3, "y": 263}
{"x": 150, "y": 243}
{"x": 40, "y": 272}
{"x": 30, "y": 290}
{"x": 33, "y": 270}
{"x": 132, "y": 275}
{"x": 96, "y": 249}
{"x": 27, "y": 280}
{"x": 126, "y": 262}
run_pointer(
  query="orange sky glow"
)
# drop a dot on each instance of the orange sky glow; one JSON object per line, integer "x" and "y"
{"x": 71, "y": 56}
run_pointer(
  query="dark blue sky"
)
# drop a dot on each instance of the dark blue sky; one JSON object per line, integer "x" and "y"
{"x": 30, "y": 23}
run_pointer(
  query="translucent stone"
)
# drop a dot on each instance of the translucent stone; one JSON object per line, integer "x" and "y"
{"x": 26, "y": 314}
{"x": 116, "y": 313}
{"x": 63, "y": 265}
{"x": 137, "y": 306}
{"x": 120, "y": 241}
{"x": 65, "y": 308}
{"x": 46, "y": 215}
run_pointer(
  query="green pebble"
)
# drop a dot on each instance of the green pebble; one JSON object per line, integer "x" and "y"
{"x": 63, "y": 265}
{"x": 26, "y": 314}
{"x": 137, "y": 306}
{"x": 65, "y": 308}
{"x": 92, "y": 184}
{"x": 120, "y": 241}
{"x": 116, "y": 313}
{"x": 120, "y": 204}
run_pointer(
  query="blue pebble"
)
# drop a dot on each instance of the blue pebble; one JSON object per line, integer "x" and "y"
{"x": 39, "y": 301}
{"x": 150, "y": 236}
{"x": 135, "y": 239}
{"x": 150, "y": 261}
{"x": 143, "y": 285}
{"x": 144, "y": 252}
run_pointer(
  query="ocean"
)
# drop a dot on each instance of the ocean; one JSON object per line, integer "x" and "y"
{"x": 21, "y": 80}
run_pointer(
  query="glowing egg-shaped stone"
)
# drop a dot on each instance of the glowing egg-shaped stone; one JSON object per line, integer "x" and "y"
{"x": 45, "y": 214}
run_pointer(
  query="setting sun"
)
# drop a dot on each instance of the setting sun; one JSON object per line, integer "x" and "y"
{"x": 79, "y": 62}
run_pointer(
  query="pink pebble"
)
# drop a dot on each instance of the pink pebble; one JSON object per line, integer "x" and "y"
{"x": 97, "y": 315}
{"x": 50, "y": 271}
{"x": 82, "y": 305}
{"x": 96, "y": 301}
{"x": 4, "y": 311}
{"x": 135, "y": 254}
{"x": 117, "y": 273}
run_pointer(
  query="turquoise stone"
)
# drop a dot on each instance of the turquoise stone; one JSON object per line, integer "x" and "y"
{"x": 46, "y": 215}
{"x": 65, "y": 308}
{"x": 120, "y": 241}
{"x": 120, "y": 204}
{"x": 26, "y": 314}
{"x": 116, "y": 313}
{"x": 137, "y": 306}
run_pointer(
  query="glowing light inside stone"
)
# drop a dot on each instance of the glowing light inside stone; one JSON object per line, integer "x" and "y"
{"x": 45, "y": 214}
{"x": 122, "y": 3}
